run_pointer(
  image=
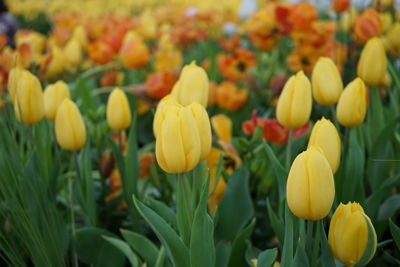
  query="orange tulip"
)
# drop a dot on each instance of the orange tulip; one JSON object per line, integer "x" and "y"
{"x": 230, "y": 97}
{"x": 340, "y": 6}
{"x": 367, "y": 25}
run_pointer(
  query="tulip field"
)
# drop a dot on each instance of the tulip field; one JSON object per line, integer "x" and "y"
{"x": 204, "y": 133}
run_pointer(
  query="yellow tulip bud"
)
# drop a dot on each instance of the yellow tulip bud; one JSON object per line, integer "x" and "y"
{"x": 325, "y": 135}
{"x": 310, "y": 188}
{"x": 352, "y": 105}
{"x": 295, "y": 102}
{"x": 348, "y": 233}
{"x": 168, "y": 102}
{"x": 203, "y": 126}
{"x": 192, "y": 86}
{"x": 386, "y": 19}
{"x": 73, "y": 53}
{"x": 69, "y": 126}
{"x": 393, "y": 36}
{"x": 326, "y": 81}
{"x": 372, "y": 64}
{"x": 57, "y": 63}
{"x": 118, "y": 111}
{"x": 80, "y": 35}
{"x": 29, "y": 103}
{"x": 222, "y": 126}
{"x": 347, "y": 19}
{"x": 13, "y": 79}
{"x": 178, "y": 144}
{"x": 54, "y": 95}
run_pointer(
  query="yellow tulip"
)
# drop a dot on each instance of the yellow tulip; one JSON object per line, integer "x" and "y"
{"x": 192, "y": 86}
{"x": 347, "y": 19}
{"x": 29, "y": 103}
{"x": 352, "y": 105}
{"x": 203, "y": 126}
{"x": 118, "y": 111}
{"x": 222, "y": 125}
{"x": 57, "y": 63}
{"x": 295, "y": 102}
{"x": 80, "y": 35}
{"x": 348, "y": 233}
{"x": 73, "y": 53}
{"x": 325, "y": 135}
{"x": 54, "y": 95}
{"x": 310, "y": 188}
{"x": 372, "y": 64}
{"x": 393, "y": 36}
{"x": 386, "y": 19}
{"x": 178, "y": 142}
{"x": 13, "y": 79}
{"x": 167, "y": 103}
{"x": 69, "y": 126}
{"x": 326, "y": 82}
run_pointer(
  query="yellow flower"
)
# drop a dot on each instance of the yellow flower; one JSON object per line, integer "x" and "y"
{"x": 178, "y": 141}
{"x": 79, "y": 34}
{"x": 348, "y": 233}
{"x": 310, "y": 188}
{"x": 13, "y": 79}
{"x": 393, "y": 36}
{"x": 29, "y": 103}
{"x": 57, "y": 62}
{"x": 118, "y": 111}
{"x": 326, "y": 82}
{"x": 192, "y": 86}
{"x": 386, "y": 19}
{"x": 167, "y": 103}
{"x": 167, "y": 56}
{"x": 73, "y": 53}
{"x": 325, "y": 135}
{"x": 54, "y": 95}
{"x": 203, "y": 126}
{"x": 372, "y": 64}
{"x": 352, "y": 105}
{"x": 69, "y": 126}
{"x": 223, "y": 127}
{"x": 295, "y": 102}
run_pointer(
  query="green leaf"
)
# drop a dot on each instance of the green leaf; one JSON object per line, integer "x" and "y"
{"x": 251, "y": 253}
{"x": 202, "y": 250}
{"x": 165, "y": 212}
{"x": 131, "y": 159}
{"x": 267, "y": 257}
{"x": 176, "y": 249}
{"x": 223, "y": 252}
{"x": 389, "y": 207}
{"x": 300, "y": 259}
{"x": 124, "y": 248}
{"x": 184, "y": 215}
{"x": 327, "y": 259}
{"x": 287, "y": 251}
{"x": 395, "y": 231}
{"x": 92, "y": 248}
{"x": 276, "y": 223}
{"x": 377, "y": 121}
{"x": 238, "y": 252}
{"x": 236, "y": 207}
{"x": 142, "y": 245}
{"x": 160, "y": 258}
{"x": 371, "y": 244}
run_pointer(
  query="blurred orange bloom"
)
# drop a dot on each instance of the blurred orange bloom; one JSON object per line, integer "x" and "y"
{"x": 234, "y": 67}
{"x": 101, "y": 52}
{"x": 340, "y": 6}
{"x": 302, "y": 15}
{"x": 145, "y": 160}
{"x": 159, "y": 84}
{"x": 212, "y": 94}
{"x": 230, "y": 97}
{"x": 134, "y": 54}
{"x": 168, "y": 57}
{"x": 367, "y": 25}
{"x": 115, "y": 183}
{"x": 230, "y": 43}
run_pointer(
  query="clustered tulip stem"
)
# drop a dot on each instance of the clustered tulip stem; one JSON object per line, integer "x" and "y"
{"x": 309, "y": 247}
{"x": 72, "y": 215}
{"x": 333, "y": 110}
{"x": 120, "y": 141}
{"x": 289, "y": 148}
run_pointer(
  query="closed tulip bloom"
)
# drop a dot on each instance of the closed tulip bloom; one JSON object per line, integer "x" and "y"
{"x": 203, "y": 126}
{"x": 13, "y": 78}
{"x": 295, "y": 102}
{"x": 326, "y": 82}
{"x": 340, "y": 6}
{"x": 310, "y": 188}
{"x": 54, "y": 95}
{"x": 80, "y": 35}
{"x": 69, "y": 126}
{"x": 166, "y": 103}
{"x": 325, "y": 135}
{"x": 192, "y": 86}
{"x": 178, "y": 144}
{"x": 348, "y": 233}
{"x": 118, "y": 111}
{"x": 372, "y": 64}
{"x": 57, "y": 62}
{"x": 73, "y": 52}
{"x": 352, "y": 105}
{"x": 393, "y": 36}
{"x": 29, "y": 103}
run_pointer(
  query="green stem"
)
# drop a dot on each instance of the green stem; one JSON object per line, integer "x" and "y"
{"x": 72, "y": 215}
{"x": 76, "y": 162}
{"x": 333, "y": 110}
{"x": 310, "y": 226}
{"x": 120, "y": 142}
{"x": 315, "y": 246}
{"x": 392, "y": 70}
{"x": 184, "y": 188}
{"x": 289, "y": 149}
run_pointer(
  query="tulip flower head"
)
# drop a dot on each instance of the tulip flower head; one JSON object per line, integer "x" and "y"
{"x": 14, "y": 77}
{"x": 326, "y": 82}
{"x": 69, "y": 126}
{"x": 29, "y": 103}
{"x": 118, "y": 111}
{"x": 192, "y": 86}
{"x": 372, "y": 64}
{"x": 310, "y": 187}
{"x": 295, "y": 102}
{"x": 325, "y": 135}
{"x": 348, "y": 233}
{"x": 352, "y": 105}
{"x": 54, "y": 95}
